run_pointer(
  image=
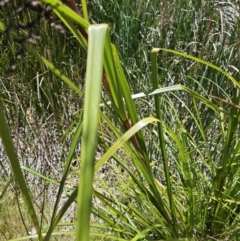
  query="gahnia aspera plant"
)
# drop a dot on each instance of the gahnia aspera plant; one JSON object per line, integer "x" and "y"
{"x": 175, "y": 172}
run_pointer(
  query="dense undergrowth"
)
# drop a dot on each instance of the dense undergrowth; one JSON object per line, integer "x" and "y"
{"x": 170, "y": 83}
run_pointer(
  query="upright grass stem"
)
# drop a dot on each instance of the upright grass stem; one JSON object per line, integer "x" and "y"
{"x": 97, "y": 36}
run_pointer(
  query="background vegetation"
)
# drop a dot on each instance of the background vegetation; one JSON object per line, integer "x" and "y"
{"x": 175, "y": 180}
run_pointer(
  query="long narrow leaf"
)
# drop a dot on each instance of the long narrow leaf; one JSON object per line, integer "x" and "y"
{"x": 64, "y": 177}
{"x": 95, "y": 57}
{"x": 203, "y": 62}
{"x": 123, "y": 139}
{"x": 65, "y": 10}
{"x": 13, "y": 159}
{"x": 161, "y": 135}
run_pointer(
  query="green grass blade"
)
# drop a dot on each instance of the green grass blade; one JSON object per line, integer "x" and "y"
{"x": 64, "y": 78}
{"x": 55, "y": 70}
{"x": 112, "y": 75}
{"x": 187, "y": 56}
{"x": 73, "y": 30}
{"x": 97, "y": 34}
{"x": 6, "y": 187}
{"x": 194, "y": 94}
{"x": 13, "y": 159}
{"x": 49, "y": 180}
{"x": 124, "y": 85}
{"x": 126, "y": 93}
{"x": 67, "y": 165}
{"x": 161, "y": 135}
{"x": 64, "y": 10}
{"x": 123, "y": 139}
{"x": 143, "y": 233}
{"x": 84, "y": 9}
{"x": 155, "y": 196}
{"x": 60, "y": 214}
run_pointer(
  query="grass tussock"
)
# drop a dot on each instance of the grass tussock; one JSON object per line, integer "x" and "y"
{"x": 159, "y": 159}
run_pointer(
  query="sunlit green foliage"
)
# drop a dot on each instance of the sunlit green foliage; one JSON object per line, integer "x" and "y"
{"x": 171, "y": 153}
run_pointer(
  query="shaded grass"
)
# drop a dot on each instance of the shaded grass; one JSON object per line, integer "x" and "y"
{"x": 205, "y": 29}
